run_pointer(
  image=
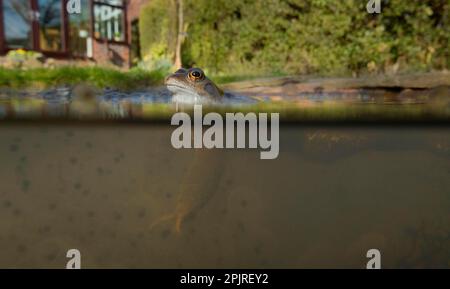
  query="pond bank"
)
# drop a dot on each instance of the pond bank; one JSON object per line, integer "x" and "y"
{"x": 385, "y": 88}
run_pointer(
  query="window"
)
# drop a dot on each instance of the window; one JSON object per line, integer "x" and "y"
{"x": 79, "y": 29}
{"x": 34, "y": 24}
{"x": 109, "y": 20}
{"x": 17, "y": 24}
{"x": 50, "y": 25}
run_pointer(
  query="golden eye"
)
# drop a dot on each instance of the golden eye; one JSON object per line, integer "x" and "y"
{"x": 196, "y": 74}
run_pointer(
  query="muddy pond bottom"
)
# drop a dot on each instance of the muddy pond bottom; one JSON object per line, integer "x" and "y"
{"x": 113, "y": 192}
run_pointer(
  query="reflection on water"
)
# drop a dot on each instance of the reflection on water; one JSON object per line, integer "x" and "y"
{"x": 332, "y": 194}
{"x": 83, "y": 101}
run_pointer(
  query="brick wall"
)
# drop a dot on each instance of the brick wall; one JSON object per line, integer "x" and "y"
{"x": 134, "y": 8}
{"x": 105, "y": 53}
{"x": 118, "y": 54}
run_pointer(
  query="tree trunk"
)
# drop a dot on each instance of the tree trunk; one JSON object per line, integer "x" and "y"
{"x": 180, "y": 37}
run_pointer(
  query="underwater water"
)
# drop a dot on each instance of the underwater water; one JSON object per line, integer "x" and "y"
{"x": 124, "y": 197}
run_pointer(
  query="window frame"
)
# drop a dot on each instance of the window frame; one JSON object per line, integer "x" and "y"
{"x": 66, "y": 53}
{"x": 123, "y": 7}
{"x": 63, "y": 53}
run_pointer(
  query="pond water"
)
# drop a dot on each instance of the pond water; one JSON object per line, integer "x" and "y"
{"x": 125, "y": 198}
{"x": 294, "y": 103}
{"x": 64, "y": 95}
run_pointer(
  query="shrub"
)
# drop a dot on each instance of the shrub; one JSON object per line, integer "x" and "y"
{"x": 297, "y": 36}
{"x": 159, "y": 33}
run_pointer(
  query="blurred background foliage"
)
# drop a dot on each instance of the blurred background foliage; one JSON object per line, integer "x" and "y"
{"x": 277, "y": 37}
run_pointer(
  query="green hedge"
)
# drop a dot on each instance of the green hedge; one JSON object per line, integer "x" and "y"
{"x": 242, "y": 37}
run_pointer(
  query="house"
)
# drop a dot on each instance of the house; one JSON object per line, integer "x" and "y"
{"x": 102, "y": 31}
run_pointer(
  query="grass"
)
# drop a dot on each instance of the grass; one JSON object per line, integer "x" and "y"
{"x": 69, "y": 75}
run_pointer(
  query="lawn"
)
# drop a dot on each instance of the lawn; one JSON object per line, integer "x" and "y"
{"x": 69, "y": 75}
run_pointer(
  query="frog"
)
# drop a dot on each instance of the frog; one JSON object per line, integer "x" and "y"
{"x": 191, "y": 86}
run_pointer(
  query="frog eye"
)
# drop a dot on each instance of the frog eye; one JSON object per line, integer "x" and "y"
{"x": 196, "y": 74}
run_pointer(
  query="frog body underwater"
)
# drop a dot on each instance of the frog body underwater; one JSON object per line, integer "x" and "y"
{"x": 191, "y": 86}
{"x": 196, "y": 188}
